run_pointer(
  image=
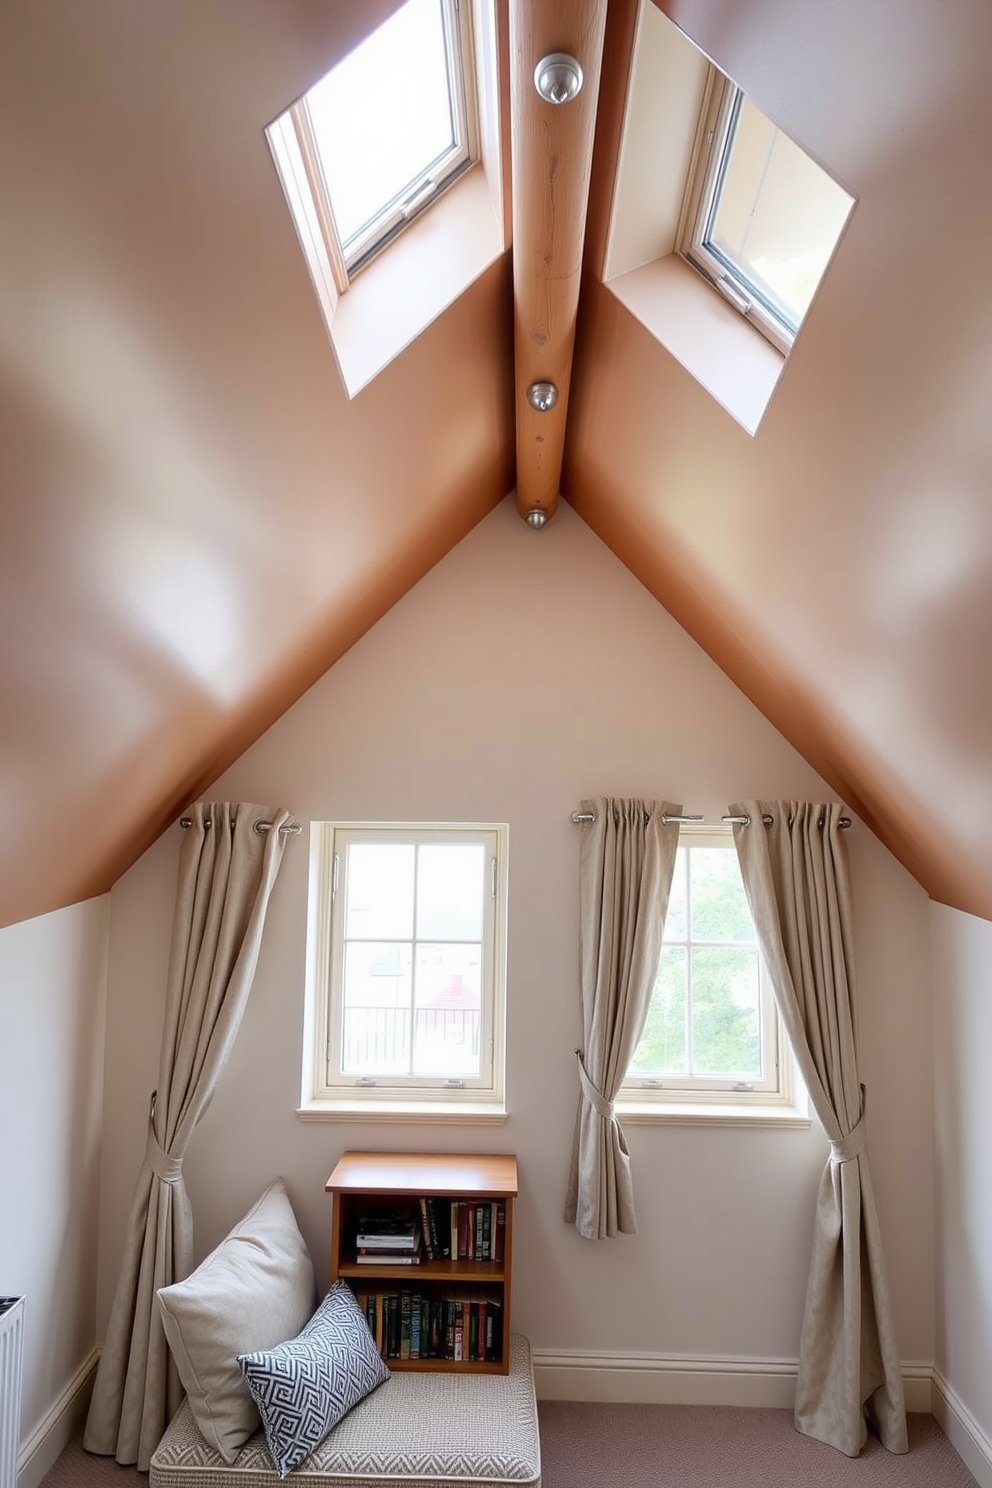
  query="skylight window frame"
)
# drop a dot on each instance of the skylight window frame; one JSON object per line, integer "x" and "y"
{"x": 718, "y": 124}
{"x": 348, "y": 259}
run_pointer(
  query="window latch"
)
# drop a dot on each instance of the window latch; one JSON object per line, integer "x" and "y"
{"x": 453, "y": 1084}
{"x": 744, "y": 1086}
{"x": 365, "y": 1081}
{"x": 733, "y": 295}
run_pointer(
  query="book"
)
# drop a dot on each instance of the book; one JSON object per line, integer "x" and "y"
{"x": 462, "y": 1230}
{"x": 455, "y": 1211}
{"x": 389, "y": 1229}
{"x": 415, "y": 1348}
{"x": 499, "y": 1230}
{"x": 429, "y": 1234}
{"x": 388, "y": 1258}
{"x": 406, "y": 1316}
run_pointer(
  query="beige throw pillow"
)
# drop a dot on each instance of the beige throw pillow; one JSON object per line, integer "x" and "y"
{"x": 256, "y": 1290}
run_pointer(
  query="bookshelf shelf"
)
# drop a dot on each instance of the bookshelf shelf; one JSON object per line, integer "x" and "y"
{"x": 364, "y": 1182}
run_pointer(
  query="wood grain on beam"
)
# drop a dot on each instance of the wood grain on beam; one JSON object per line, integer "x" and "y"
{"x": 551, "y": 156}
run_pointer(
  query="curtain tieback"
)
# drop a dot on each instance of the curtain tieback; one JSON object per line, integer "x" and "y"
{"x": 169, "y": 1169}
{"x": 852, "y": 1146}
{"x": 595, "y": 1097}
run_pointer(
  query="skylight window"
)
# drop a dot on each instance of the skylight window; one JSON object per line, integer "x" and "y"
{"x": 408, "y": 121}
{"x": 388, "y": 128}
{"x": 762, "y": 219}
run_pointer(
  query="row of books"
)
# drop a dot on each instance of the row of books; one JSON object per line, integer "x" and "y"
{"x": 464, "y": 1229}
{"x": 464, "y": 1327}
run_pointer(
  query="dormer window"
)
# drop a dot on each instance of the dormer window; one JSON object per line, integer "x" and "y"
{"x": 761, "y": 219}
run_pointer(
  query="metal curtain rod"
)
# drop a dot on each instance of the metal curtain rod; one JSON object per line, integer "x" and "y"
{"x": 745, "y": 821}
{"x": 261, "y": 826}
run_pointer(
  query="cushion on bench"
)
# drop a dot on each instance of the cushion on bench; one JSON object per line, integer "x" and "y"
{"x": 419, "y": 1429}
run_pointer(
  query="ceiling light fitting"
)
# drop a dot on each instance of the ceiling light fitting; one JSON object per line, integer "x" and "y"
{"x": 558, "y": 77}
{"x": 542, "y": 396}
{"x": 536, "y": 518}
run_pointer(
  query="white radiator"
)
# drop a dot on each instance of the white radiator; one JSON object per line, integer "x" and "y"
{"x": 11, "y": 1371}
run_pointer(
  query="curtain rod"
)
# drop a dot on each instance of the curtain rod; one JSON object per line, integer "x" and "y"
{"x": 745, "y": 821}
{"x": 260, "y": 826}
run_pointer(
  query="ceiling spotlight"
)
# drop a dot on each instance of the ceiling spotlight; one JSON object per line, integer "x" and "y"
{"x": 536, "y": 518}
{"x": 558, "y": 77}
{"x": 542, "y": 396}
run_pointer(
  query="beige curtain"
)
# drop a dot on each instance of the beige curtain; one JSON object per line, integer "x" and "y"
{"x": 626, "y": 861}
{"x": 796, "y": 876}
{"x": 226, "y": 872}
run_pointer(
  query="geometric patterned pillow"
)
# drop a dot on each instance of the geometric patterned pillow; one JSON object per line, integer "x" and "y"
{"x": 303, "y": 1387}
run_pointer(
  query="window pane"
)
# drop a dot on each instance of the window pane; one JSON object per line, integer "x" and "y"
{"x": 449, "y": 891}
{"x": 726, "y": 1025}
{"x": 662, "y": 1049}
{"x": 448, "y": 1010}
{"x": 375, "y": 1031}
{"x": 675, "y": 921}
{"x": 719, "y": 904}
{"x": 778, "y": 215}
{"x": 380, "y": 891}
{"x": 382, "y": 116}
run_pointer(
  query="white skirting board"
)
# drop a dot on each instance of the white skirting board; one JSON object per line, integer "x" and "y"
{"x": 664, "y": 1379}
{"x": 40, "y": 1450}
{"x": 963, "y": 1432}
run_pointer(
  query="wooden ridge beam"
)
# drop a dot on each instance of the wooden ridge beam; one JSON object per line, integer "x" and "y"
{"x": 551, "y": 155}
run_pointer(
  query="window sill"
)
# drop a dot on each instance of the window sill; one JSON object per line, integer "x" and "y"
{"x": 712, "y": 341}
{"x": 699, "y": 1113}
{"x": 409, "y": 1112}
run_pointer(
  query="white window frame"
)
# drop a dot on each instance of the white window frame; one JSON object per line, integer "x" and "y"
{"x": 326, "y": 1090}
{"x": 779, "y": 1098}
{"x": 718, "y": 124}
{"x": 347, "y": 259}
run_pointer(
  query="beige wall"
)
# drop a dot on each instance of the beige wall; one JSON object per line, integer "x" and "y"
{"x": 962, "y": 1038}
{"x": 525, "y": 672}
{"x": 52, "y": 1007}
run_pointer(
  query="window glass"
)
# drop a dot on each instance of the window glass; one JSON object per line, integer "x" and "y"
{"x": 711, "y": 1024}
{"x": 383, "y": 117}
{"x": 762, "y": 219}
{"x": 408, "y": 973}
{"x": 777, "y": 216}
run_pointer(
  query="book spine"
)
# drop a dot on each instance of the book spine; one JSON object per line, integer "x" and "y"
{"x": 499, "y": 1236}
{"x": 425, "y": 1225}
{"x": 487, "y": 1231}
{"x": 470, "y": 1251}
{"x": 436, "y": 1243}
{"x": 383, "y": 1258}
{"x": 480, "y": 1210}
{"x": 415, "y": 1326}
{"x": 473, "y": 1331}
{"x": 455, "y": 1213}
{"x": 404, "y": 1325}
{"x": 462, "y": 1230}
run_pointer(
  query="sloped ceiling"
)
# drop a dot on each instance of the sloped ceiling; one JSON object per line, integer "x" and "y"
{"x": 196, "y": 522}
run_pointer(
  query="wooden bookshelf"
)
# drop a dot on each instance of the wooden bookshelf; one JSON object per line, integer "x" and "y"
{"x": 365, "y": 1181}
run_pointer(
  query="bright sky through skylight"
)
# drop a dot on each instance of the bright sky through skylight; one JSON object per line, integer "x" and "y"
{"x": 382, "y": 116}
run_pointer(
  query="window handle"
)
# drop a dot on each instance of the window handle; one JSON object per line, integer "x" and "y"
{"x": 733, "y": 295}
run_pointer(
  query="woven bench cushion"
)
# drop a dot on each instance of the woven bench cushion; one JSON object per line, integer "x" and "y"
{"x": 418, "y": 1428}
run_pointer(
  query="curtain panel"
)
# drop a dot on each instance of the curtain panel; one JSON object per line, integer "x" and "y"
{"x": 227, "y": 867}
{"x": 626, "y": 862}
{"x": 794, "y": 864}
